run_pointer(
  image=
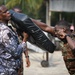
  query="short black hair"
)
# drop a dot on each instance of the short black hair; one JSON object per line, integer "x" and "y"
{"x": 17, "y": 7}
{"x": 64, "y": 23}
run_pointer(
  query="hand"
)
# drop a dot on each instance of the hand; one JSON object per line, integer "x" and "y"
{"x": 27, "y": 62}
{"x": 25, "y": 36}
{"x": 61, "y": 34}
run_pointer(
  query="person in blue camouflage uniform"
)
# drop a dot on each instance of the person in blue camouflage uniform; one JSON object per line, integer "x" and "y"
{"x": 10, "y": 49}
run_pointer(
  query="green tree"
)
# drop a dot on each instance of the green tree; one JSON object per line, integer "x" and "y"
{"x": 34, "y": 8}
{"x": 1, "y": 2}
{"x": 30, "y": 7}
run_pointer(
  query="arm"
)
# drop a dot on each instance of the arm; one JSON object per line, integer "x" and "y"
{"x": 27, "y": 58}
{"x": 70, "y": 42}
{"x": 43, "y": 26}
{"x": 63, "y": 35}
{"x": 25, "y": 37}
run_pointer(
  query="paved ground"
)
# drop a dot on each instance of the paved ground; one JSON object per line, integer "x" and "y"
{"x": 56, "y": 62}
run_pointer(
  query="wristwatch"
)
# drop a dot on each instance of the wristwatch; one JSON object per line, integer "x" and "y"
{"x": 67, "y": 35}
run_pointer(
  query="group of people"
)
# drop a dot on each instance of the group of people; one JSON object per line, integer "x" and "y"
{"x": 11, "y": 50}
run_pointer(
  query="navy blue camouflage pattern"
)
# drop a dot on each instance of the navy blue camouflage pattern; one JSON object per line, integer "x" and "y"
{"x": 10, "y": 51}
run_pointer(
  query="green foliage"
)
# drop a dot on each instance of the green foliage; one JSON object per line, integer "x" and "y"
{"x": 37, "y": 9}
{"x": 1, "y": 2}
{"x": 30, "y": 7}
{"x": 33, "y": 8}
{"x": 11, "y": 3}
